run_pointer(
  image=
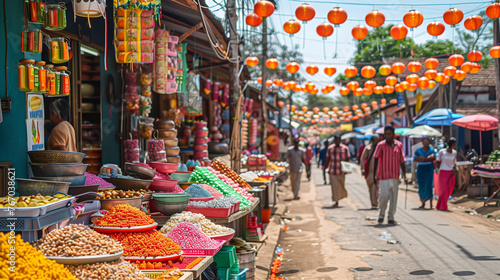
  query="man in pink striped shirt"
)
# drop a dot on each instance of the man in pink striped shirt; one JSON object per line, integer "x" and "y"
{"x": 389, "y": 159}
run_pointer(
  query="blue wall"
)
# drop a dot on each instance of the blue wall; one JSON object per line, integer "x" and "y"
{"x": 13, "y": 146}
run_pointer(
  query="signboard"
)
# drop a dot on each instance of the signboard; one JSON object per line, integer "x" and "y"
{"x": 35, "y": 106}
{"x": 35, "y": 134}
{"x": 346, "y": 127}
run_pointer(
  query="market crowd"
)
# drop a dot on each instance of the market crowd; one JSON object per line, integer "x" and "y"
{"x": 382, "y": 164}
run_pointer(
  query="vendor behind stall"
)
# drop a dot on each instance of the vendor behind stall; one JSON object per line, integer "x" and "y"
{"x": 62, "y": 137}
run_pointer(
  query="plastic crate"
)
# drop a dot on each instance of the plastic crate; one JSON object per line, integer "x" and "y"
{"x": 204, "y": 252}
{"x": 38, "y": 223}
{"x": 224, "y": 273}
{"x": 210, "y": 212}
{"x": 240, "y": 276}
{"x": 235, "y": 268}
{"x": 226, "y": 257}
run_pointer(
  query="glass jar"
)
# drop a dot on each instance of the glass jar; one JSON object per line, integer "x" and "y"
{"x": 36, "y": 11}
{"x": 40, "y": 76}
{"x": 58, "y": 49}
{"x": 55, "y": 17}
{"x": 31, "y": 40}
{"x": 63, "y": 80}
{"x": 26, "y": 70}
{"x": 51, "y": 79}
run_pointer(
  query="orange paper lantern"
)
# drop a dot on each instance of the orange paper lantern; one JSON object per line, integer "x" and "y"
{"x": 375, "y": 18}
{"x": 374, "y": 103}
{"x": 253, "y": 20}
{"x": 423, "y": 83}
{"x": 305, "y": 109}
{"x": 364, "y": 105}
{"x": 346, "y": 108}
{"x": 388, "y": 89}
{"x": 405, "y": 84}
{"x": 355, "y": 107}
{"x": 439, "y": 77}
{"x": 473, "y": 22}
{"x": 412, "y": 78}
{"x": 414, "y": 66}
{"x": 344, "y": 91}
{"x": 430, "y": 74}
{"x": 335, "y": 109}
{"x": 292, "y": 67}
{"x": 456, "y": 60}
{"x": 324, "y": 30}
{"x": 453, "y": 16}
{"x": 493, "y": 10}
{"x": 294, "y": 108}
{"x": 412, "y": 87}
{"x": 399, "y": 32}
{"x": 352, "y": 86}
{"x": 330, "y": 70}
{"x": 264, "y": 8}
{"x": 378, "y": 90}
{"x": 460, "y": 75}
{"x": 269, "y": 83}
{"x": 398, "y": 68}
{"x": 413, "y": 19}
{"x": 305, "y": 12}
{"x": 324, "y": 90}
{"x": 367, "y": 91}
{"x": 259, "y": 80}
{"x": 383, "y": 101}
{"x": 316, "y": 110}
{"x": 272, "y": 63}
{"x": 466, "y": 66}
{"x": 385, "y": 70}
{"x": 330, "y": 87}
{"x": 431, "y": 63}
{"x": 286, "y": 86}
{"x": 474, "y": 56}
{"x": 445, "y": 80}
{"x": 393, "y": 101}
{"x": 312, "y": 69}
{"x": 435, "y": 28}
{"x": 351, "y": 71}
{"x": 359, "y": 32}
{"x": 358, "y": 92}
{"x": 370, "y": 84}
{"x": 292, "y": 84}
{"x": 337, "y": 16}
{"x": 450, "y": 71}
{"x": 391, "y": 80}
{"x": 368, "y": 72}
{"x": 475, "y": 68}
{"x": 432, "y": 84}
{"x": 281, "y": 104}
{"x": 291, "y": 27}
{"x": 278, "y": 82}
{"x": 326, "y": 109}
{"x": 310, "y": 86}
{"x": 252, "y": 61}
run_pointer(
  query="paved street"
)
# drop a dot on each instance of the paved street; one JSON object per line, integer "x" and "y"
{"x": 347, "y": 243}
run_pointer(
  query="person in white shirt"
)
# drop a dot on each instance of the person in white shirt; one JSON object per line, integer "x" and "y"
{"x": 445, "y": 165}
{"x": 296, "y": 157}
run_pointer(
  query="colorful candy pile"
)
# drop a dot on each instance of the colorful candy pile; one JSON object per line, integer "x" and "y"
{"x": 215, "y": 193}
{"x": 226, "y": 170}
{"x": 146, "y": 244}
{"x": 190, "y": 237}
{"x": 204, "y": 224}
{"x": 96, "y": 180}
{"x": 225, "y": 202}
{"x": 196, "y": 191}
{"x": 176, "y": 189}
{"x": 234, "y": 185}
{"x": 118, "y": 270}
{"x": 158, "y": 175}
{"x": 204, "y": 176}
{"x": 182, "y": 263}
{"x": 124, "y": 215}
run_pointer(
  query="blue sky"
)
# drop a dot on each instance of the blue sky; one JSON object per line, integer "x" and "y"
{"x": 356, "y": 10}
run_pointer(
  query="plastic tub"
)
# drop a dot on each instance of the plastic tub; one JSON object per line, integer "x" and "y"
{"x": 200, "y": 147}
{"x": 160, "y": 185}
{"x": 182, "y": 177}
{"x": 164, "y": 167}
{"x": 210, "y": 212}
{"x": 203, "y": 252}
{"x": 201, "y": 199}
{"x": 240, "y": 276}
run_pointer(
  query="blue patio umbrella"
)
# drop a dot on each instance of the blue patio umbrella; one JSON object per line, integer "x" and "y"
{"x": 438, "y": 117}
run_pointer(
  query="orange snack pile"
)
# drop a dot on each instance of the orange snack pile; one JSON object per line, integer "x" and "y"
{"x": 146, "y": 244}
{"x": 124, "y": 215}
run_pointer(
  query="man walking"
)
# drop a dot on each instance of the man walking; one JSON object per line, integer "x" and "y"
{"x": 335, "y": 155}
{"x": 389, "y": 159}
{"x": 308, "y": 162}
{"x": 322, "y": 159}
{"x": 296, "y": 156}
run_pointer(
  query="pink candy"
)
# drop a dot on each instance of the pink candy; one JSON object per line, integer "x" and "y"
{"x": 176, "y": 189}
{"x": 189, "y": 236}
{"x": 215, "y": 193}
{"x": 96, "y": 180}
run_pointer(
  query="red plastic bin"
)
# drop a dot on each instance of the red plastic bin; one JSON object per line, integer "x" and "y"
{"x": 204, "y": 252}
{"x": 210, "y": 212}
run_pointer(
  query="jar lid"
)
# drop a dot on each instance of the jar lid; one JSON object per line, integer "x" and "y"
{"x": 50, "y": 66}
{"x": 61, "y": 68}
{"x": 40, "y": 63}
{"x": 27, "y": 61}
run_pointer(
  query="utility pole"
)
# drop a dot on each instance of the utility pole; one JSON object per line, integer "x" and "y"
{"x": 263, "y": 97}
{"x": 290, "y": 102}
{"x": 496, "y": 37}
{"x": 234, "y": 84}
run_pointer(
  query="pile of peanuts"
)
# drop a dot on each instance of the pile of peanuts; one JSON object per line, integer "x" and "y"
{"x": 77, "y": 240}
{"x": 119, "y": 270}
{"x": 114, "y": 194}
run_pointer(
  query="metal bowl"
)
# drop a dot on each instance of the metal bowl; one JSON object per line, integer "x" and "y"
{"x": 139, "y": 171}
{"x": 182, "y": 177}
{"x": 170, "y": 208}
{"x": 55, "y": 157}
{"x": 107, "y": 204}
{"x": 57, "y": 169}
{"x": 74, "y": 180}
{"x": 128, "y": 184}
{"x": 27, "y": 187}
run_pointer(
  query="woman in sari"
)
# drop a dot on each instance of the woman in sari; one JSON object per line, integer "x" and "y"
{"x": 425, "y": 171}
{"x": 446, "y": 161}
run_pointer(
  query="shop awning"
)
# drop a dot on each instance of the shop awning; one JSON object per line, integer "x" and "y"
{"x": 294, "y": 124}
{"x": 369, "y": 127}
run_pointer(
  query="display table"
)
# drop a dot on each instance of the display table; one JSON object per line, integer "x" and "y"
{"x": 463, "y": 177}
{"x": 199, "y": 268}
{"x": 495, "y": 177}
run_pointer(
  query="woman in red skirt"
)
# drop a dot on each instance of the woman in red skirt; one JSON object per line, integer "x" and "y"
{"x": 445, "y": 163}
